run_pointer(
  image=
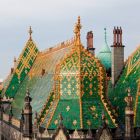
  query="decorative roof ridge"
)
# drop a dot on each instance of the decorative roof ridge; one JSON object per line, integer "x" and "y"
{"x": 77, "y": 33}
{"x": 19, "y": 58}
{"x": 132, "y": 54}
{"x": 10, "y": 76}
{"x": 29, "y": 40}
{"x": 74, "y": 41}
{"x": 40, "y": 116}
{"x": 59, "y": 46}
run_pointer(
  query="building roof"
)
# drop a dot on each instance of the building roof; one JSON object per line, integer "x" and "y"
{"x": 105, "y": 54}
{"x": 73, "y": 83}
{"x": 81, "y": 102}
{"x": 66, "y": 79}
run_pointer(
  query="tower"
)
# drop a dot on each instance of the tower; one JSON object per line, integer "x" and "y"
{"x": 129, "y": 117}
{"x": 27, "y": 113}
{"x": 90, "y": 43}
{"x": 117, "y": 54}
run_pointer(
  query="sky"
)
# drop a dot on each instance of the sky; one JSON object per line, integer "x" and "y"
{"x": 53, "y": 21}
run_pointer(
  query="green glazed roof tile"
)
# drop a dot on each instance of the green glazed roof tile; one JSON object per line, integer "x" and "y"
{"x": 130, "y": 78}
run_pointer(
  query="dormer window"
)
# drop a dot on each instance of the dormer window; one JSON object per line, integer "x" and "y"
{"x": 42, "y": 72}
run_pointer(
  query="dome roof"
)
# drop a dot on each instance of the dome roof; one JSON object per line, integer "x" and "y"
{"x": 105, "y": 54}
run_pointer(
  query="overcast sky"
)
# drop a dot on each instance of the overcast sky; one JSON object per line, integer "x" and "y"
{"x": 52, "y": 22}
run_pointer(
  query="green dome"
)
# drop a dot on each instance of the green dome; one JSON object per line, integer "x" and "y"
{"x": 105, "y": 54}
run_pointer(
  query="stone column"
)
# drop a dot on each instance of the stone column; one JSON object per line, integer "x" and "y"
{"x": 129, "y": 118}
{"x": 27, "y": 113}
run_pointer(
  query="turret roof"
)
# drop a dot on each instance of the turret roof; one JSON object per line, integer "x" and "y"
{"x": 105, "y": 54}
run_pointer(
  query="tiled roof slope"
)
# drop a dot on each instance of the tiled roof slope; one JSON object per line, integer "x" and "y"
{"x": 80, "y": 93}
{"x": 24, "y": 64}
{"x": 40, "y": 86}
{"x": 130, "y": 78}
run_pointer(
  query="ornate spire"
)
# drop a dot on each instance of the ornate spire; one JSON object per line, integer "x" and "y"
{"x": 105, "y": 35}
{"x": 129, "y": 99}
{"x": 30, "y": 32}
{"x": 129, "y": 116}
{"x": 77, "y": 32}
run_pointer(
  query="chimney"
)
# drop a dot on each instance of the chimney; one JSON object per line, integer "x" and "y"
{"x": 117, "y": 54}
{"x": 90, "y": 43}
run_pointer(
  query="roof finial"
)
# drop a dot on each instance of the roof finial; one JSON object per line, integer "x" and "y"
{"x": 77, "y": 32}
{"x": 105, "y": 35}
{"x": 30, "y": 32}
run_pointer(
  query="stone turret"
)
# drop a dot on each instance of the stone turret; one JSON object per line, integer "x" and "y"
{"x": 117, "y": 55}
{"x": 27, "y": 113}
{"x": 129, "y": 117}
{"x": 90, "y": 47}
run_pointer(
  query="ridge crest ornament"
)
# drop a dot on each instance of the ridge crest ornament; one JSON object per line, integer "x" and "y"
{"x": 77, "y": 29}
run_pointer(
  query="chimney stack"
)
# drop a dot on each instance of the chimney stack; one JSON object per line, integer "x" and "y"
{"x": 117, "y": 55}
{"x": 90, "y": 43}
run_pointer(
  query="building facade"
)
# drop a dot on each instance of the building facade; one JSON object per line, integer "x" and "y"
{"x": 66, "y": 92}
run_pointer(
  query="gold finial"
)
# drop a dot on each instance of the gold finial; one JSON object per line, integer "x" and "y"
{"x": 77, "y": 32}
{"x": 30, "y": 32}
